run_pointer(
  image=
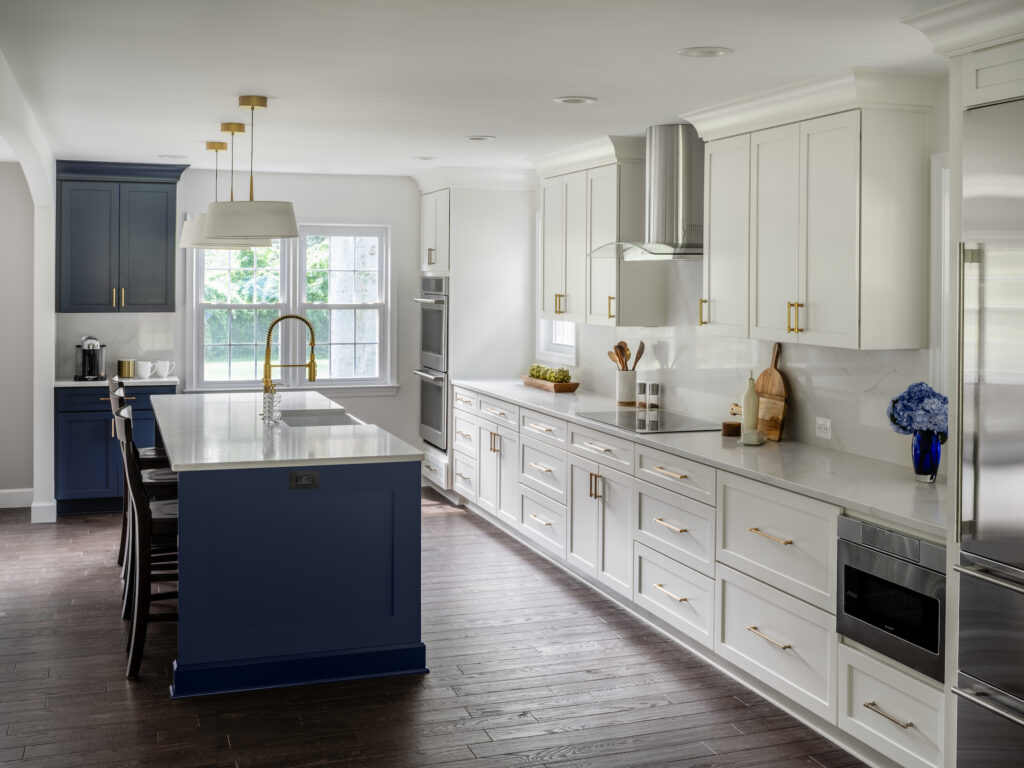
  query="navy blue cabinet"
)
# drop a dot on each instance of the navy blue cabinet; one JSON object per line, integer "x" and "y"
{"x": 88, "y": 475}
{"x": 116, "y": 236}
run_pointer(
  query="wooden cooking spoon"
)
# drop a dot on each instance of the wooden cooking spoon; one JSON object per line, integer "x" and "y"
{"x": 613, "y": 357}
{"x": 639, "y": 354}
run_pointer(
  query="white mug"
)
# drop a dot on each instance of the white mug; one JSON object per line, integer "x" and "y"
{"x": 164, "y": 368}
{"x": 143, "y": 369}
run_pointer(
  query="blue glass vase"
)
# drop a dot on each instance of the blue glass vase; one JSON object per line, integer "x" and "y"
{"x": 925, "y": 452}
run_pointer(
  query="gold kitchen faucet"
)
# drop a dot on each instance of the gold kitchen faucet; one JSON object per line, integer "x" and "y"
{"x": 268, "y": 384}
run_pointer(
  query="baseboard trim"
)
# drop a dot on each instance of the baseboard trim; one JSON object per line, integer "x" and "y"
{"x": 15, "y": 497}
{"x": 44, "y": 511}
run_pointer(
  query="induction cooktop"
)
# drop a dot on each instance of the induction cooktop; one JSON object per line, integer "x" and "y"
{"x": 656, "y": 420}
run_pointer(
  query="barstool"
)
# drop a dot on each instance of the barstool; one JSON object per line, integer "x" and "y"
{"x": 154, "y": 547}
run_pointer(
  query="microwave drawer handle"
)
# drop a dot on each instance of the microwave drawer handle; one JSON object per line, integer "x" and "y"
{"x": 429, "y": 376}
{"x": 979, "y": 573}
{"x": 421, "y": 300}
{"x": 974, "y": 698}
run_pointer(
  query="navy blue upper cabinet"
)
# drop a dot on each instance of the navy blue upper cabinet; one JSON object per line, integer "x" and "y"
{"x": 116, "y": 236}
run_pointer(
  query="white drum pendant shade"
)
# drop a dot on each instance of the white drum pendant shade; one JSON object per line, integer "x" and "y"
{"x": 250, "y": 219}
{"x": 193, "y": 236}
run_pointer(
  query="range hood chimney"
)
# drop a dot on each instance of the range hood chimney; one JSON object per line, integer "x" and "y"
{"x": 675, "y": 198}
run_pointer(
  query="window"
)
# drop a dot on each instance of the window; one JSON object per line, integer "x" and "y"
{"x": 556, "y": 341}
{"x": 336, "y": 277}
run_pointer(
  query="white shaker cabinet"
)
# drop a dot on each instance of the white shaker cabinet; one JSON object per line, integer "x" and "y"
{"x": 435, "y": 228}
{"x": 722, "y": 309}
{"x": 564, "y": 246}
{"x": 498, "y": 487}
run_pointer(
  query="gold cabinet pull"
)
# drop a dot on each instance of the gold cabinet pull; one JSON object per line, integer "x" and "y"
{"x": 596, "y": 447}
{"x": 700, "y": 311}
{"x": 540, "y": 427}
{"x": 494, "y": 442}
{"x": 462, "y": 477}
{"x": 122, "y": 298}
{"x": 879, "y": 711}
{"x": 429, "y": 467}
{"x": 496, "y": 412}
{"x": 107, "y": 399}
{"x": 796, "y": 317}
{"x": 460, "y": 433}
{"x": 541, "y": 467}
{"x": 593, "y": 485}
{"x": 661, "y": 521}
{"x": 663, "y": 471}
{"x": 113, "y": 297}
{"x": 759, "y": 532}
{"x": 463, "y": 400}
{"x": 610, "y": 315}
{"x": 541, "y": 520}
{"x": 558, "y": 309}
{"x": 111, "y": 427}
{"x": 674, "y": 597}
{"x": 431, "y": 256}
{"x": 763, "y": 636}
{"x": 789, "y": 317}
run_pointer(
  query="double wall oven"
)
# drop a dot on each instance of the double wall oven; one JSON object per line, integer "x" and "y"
{"x": 433, "y": 371}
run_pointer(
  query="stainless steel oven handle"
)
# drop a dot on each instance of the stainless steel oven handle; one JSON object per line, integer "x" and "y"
{"x": 978, "y": 573}
{"x": 430, "y": 376}
{"x": 420, "y": 300}
{"x": 976, "y": 699}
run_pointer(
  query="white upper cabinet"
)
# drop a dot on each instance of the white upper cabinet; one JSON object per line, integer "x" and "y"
{"x": 564, "y": 246}
{"x": 723, "y": 306}
{"x": 994, "y": 74}
{"x": 435, "y": 232}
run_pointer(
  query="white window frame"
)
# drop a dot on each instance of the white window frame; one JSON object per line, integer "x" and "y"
{"x": 550, "y": 352}
{"x": 295, "y": 336}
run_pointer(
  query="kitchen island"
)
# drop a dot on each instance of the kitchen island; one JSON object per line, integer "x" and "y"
{"x": 299, "y": 544}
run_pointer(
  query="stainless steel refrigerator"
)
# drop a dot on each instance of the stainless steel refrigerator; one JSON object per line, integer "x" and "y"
{"x": 990, "y": 683}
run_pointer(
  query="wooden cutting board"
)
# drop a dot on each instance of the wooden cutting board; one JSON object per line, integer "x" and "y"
{"x": 771, "y": 387}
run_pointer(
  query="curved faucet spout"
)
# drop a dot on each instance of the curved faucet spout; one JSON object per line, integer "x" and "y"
{"x": 268, "y": 384}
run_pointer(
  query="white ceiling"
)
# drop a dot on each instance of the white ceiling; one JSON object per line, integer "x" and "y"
{"x": 365, "y": 86}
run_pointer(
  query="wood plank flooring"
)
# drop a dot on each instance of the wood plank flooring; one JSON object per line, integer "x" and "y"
{"x": 528, "y": 668}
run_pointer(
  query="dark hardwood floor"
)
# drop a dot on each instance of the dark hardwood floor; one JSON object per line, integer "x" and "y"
{"x": 528, "y": 668}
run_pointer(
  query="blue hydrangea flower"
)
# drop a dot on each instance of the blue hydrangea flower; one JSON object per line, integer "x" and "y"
{"x": 919, "y": 408}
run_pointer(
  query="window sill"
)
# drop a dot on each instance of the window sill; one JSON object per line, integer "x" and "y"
{"x": 337, "y": 390}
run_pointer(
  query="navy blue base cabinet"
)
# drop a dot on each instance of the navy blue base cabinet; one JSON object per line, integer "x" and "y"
{"x": 87, "y": 468}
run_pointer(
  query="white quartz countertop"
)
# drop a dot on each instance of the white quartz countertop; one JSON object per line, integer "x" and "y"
{"x": 224, "y": 431}
{"x": 875, "y": 491}
{"x": 150, "y": 382}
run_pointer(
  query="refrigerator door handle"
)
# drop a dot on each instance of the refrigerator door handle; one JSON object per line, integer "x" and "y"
{"x": 966, "y": 517}
{"x": 976, "y": 698}
{"x": 983, "y": 575}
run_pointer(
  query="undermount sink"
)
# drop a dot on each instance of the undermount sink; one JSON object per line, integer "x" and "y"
{"x": 325, "y": 418}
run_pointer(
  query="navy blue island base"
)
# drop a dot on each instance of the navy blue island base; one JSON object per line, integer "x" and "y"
{"x": 285, "y": 583}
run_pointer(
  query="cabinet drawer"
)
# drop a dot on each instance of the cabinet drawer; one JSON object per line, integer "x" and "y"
{"x": 98, "y": 398}
{"x": 780, "y": 537}
{"x": 435, "y": 468}
{"x": 872, "y": 695}
{"x": 611, "y": 451}
{"x": 676, "y": 526}
{"x": 498, "y": 411}
{"x": 674, "y": 593}
{"x": 464, "y": 479}
{"x": 543, "y": 468}
{"x": 542, "y": 520}
{"x": 778, "y": 639}
{"x": 465, "y": 435}
{"x": 464, "y": 400}
{"x": 554, "y": 431}
{"x": 689, "y": 478}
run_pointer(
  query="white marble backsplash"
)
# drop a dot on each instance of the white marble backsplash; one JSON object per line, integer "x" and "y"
{"x": 135, "y": 335}
{"x": 702, "y": 374}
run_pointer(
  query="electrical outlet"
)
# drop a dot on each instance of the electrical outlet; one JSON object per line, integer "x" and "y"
{"x": 823, "y": 428}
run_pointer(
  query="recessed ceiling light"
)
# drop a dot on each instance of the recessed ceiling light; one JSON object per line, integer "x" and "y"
{"x": 575, "y": 99}
{"x": 172, "y": 157}
{"x": 481, "y": 137}
{"x": 705, "y": 51}
{"x": 424, "y": 157}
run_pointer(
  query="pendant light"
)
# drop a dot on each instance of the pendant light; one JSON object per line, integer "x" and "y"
{"x": 251, "y": 218}
{"x": 192, "y": 234}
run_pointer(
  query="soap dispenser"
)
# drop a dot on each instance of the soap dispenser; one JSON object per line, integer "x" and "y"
{"x": 751, "y": 404}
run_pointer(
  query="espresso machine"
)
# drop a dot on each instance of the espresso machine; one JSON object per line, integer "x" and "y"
{"x": 90, "y": 360}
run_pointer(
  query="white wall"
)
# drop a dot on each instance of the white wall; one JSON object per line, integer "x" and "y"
{"x": 16, "y": 316}
{"x": 319, "y": 199}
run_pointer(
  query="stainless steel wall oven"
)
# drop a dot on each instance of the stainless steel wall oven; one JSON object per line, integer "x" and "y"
{"x": 891, "y": 595}
{"x": 433, "y": 372}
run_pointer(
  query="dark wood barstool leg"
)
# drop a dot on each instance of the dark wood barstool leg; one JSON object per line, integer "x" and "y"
{"x": 124, "y": 524}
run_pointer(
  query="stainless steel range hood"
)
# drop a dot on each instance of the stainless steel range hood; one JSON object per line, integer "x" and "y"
{"x": 675, "y": 198}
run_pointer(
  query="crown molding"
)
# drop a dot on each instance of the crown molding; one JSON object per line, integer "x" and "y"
{"x": 849, "y": 89}
{"x": 591, "y": 154}
{"x": 476, "y": 178}
{"x": 970, "y": 25}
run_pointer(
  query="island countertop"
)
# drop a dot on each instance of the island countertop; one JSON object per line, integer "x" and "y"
{"x": 218, "y": 431}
